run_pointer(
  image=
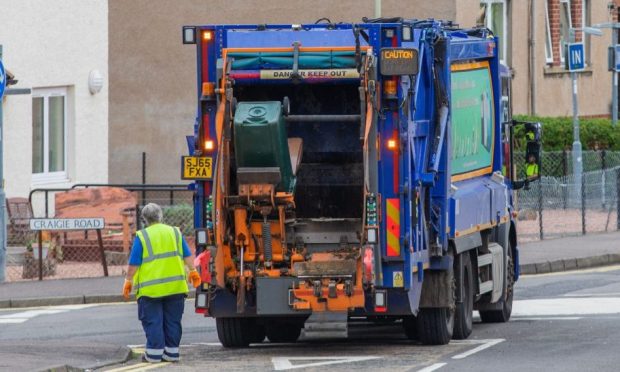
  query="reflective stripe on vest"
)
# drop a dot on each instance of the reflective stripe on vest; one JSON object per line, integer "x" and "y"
{"x": 162, "y": 272}
{"x": 149, "y": 247}
{"x": 160, "y": 281}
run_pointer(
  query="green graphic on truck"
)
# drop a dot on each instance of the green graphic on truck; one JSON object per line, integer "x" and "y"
{"x": 472, "y": 120}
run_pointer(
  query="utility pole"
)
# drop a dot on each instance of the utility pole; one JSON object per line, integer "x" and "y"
{"x": 614, "y": 80}
{"x": 377, "y": 8}
{"x": 3, "y": 81}
{"x": 615, "y": 27}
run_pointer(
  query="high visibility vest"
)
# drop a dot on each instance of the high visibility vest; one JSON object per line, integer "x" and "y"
{"x": 531, "y": 170}
{"x": 162, "y": 272}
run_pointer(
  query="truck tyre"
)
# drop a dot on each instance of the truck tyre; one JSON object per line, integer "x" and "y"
{"x": 503, "y": 315}
{"x": 235, "y": 332}
{"x": 279, "y": 332}
{"x": 410, "y": 327}
{"x": 435, "y": 325}
{"x": 463, "y": 315}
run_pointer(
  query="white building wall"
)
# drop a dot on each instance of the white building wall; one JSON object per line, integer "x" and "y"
{"x": 56, "y": 44}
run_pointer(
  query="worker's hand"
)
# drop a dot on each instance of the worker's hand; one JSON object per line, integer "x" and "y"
{"x": 194, "y": 277}
{"x": 127, "y": 289}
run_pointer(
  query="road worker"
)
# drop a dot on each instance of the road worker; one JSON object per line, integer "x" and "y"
{"x": 156, "y": 270}
{"x": 531, "y": 169}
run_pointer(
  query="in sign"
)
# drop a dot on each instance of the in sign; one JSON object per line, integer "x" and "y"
{"x": 576, "y": 60}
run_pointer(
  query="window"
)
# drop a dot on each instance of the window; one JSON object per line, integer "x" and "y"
{"x": 495, "y": 18}
{"x": 49, "y": 135}
{"x": 569, "y": 14}
{"x": 566, "y": 23}
{"x": 548, "y": 44}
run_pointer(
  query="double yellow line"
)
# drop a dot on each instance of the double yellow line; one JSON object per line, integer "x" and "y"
{"x": 139, "y": 367}
{"x": 143, "y": 366}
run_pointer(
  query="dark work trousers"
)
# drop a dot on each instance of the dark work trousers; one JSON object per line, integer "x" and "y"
{"x": 161, "y": 320}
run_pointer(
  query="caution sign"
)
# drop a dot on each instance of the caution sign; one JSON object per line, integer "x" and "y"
{"x": 343, "y": 73}
{"x": 398, "y": 281}
{"x": 196, "y": 168}
{"x": 399, "y": 61}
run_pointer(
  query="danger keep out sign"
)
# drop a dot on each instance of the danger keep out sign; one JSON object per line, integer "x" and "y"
{"x": 38, "y": 224}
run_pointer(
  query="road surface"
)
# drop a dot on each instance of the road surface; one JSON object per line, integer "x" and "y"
{"x": 561, "y": 322}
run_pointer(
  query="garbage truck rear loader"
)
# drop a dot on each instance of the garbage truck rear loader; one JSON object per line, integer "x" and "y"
{"x": 351, "y": 170}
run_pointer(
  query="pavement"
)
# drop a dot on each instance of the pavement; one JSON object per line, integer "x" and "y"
{"x": 572, "y": 253}
{"x": 535, "y": 258}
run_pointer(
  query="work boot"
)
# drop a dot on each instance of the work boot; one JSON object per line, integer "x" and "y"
{"x": 147, "y": 359}
{"x": 171, "y": 354}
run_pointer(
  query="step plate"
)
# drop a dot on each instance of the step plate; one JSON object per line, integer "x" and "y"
{"x": 325, "y": 325}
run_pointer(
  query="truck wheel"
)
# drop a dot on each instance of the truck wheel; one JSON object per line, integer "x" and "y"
{"x": 435, "y": 325}
{"x": 235, "y": 332}
{"x": 463, "y": 316}
{"x": 503, "y": 315}
{"x": 279, "y": 332}
{"x": 411, "y": 330}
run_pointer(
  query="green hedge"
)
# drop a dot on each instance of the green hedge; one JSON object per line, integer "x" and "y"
{"x": 595, "y": 133}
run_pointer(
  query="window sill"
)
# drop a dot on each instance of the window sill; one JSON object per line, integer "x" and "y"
{"x": 559, "y": 71}
{"x": 44, "y": 179}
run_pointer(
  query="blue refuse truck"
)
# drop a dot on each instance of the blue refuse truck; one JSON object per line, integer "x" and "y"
{"x": 353, "y": 171}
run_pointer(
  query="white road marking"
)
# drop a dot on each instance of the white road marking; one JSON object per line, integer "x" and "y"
{"x": 284, "y": 363}
{"x": 432, "y": 367}
{"x": 487, "y": 344}
{"x": 608, "y": 294}
{"x": 13, "y": 320}
{"x": 545, "y": 318}
{"x": 566, "y": 306}
{"x": 24, "y": 316}
{"x": 207, "y": 343}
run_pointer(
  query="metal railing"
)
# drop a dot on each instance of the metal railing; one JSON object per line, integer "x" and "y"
{"x": 77, "y": 253}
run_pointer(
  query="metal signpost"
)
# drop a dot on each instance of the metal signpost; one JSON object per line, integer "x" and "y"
{"x": 3, "y": 81}
{"x": 68, "y": 224}
{"x": 575, "y": 61}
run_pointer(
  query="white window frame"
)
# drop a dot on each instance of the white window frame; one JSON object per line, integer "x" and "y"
{"x": 46, "y": 176}
{"x": 584, "y": 36}
{"x": 548, "y": 52}
{"x": 488, "y": 22}
{"x": 570, "y": 25}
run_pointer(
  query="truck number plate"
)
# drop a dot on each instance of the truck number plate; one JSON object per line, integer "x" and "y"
{"x": 197, "y": 168}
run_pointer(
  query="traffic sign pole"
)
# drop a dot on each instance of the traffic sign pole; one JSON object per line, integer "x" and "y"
{"x": 614, "y": 80}
{"x": 575, "y": 60}
{"x": 2, "y": 194}
{"x": 577, "y": 153}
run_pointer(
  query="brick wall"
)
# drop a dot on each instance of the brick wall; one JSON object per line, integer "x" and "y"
{"x": 576, "y": 16}
{"x": 554, "y": 8}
